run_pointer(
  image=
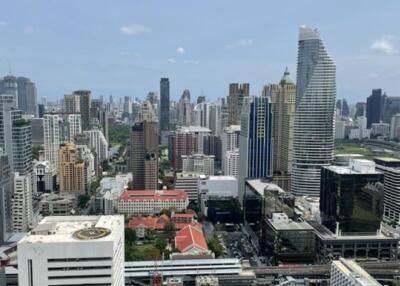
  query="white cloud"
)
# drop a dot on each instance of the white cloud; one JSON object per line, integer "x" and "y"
{"x": 384, "y": 46}
{"x": 134, "y": 29}
{"x": 172, "y": 60}
{"x": 180, "y": 50}
{"x": 28, "y": 29}
{"x": 241, "y": 43}
{"x": 191, "y": 62}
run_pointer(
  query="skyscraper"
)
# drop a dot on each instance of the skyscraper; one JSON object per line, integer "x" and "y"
{"x": 98, "y": 142}
{"x": 181, "y": 143}
{"x": 185, "y": 109}
{"x": 375, "y": 104}
{"x": 27, "y": 97}
{"x": 71, "y": 103}
{"x": 283, "y": 105}
{"x": 71, "y": 171}
{"x": 255, "y": 142}
{"x": 143, "y": 155}
{"x": 315, "y": 113}
{"x": 84, "y": 105}
{"x": 9, "y": 86}
{"x": 164, "y": 106}
{"x": 22, "y": 211}
{"x": 6, "y": 193}
{"x": 51, "y": 127}
{"x": 237, "y": 93}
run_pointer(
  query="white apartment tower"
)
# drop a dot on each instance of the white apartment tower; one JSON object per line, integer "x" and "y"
{"x": 74, "y": 126}
{"x": 51, "y": 127}
{"x": 73, "y": 250}
{"x": 22, "y": 212}
{"x": 231, "y": 167}
{"x": 98, "y": 142}
{"x": 229, "y": 141}
{"x": 313, "y": 143}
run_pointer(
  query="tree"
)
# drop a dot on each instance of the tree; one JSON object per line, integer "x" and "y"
{"x": 215, "y": 246}
{"x": 130, "y": 235}
{"x": 166, "y": 212}
{"x": 83, "y": 200}
{"x": 169, "y": 229}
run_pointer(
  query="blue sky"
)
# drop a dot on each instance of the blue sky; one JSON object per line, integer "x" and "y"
{"x": 124, "y": 47}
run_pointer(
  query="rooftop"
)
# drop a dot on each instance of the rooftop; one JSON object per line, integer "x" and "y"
{"x": 155, "y": 195}
{"x": 187, "y": 129}
{"x": 290, "y": 225}
{"x": 190, "y": 236}
{"x": 351, "y": 268}
{"x": 260, "y": 186}
{"x": 54, "y": 229}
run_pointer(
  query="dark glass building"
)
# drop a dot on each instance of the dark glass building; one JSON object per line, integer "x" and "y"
{"x": 352, "y": 196}
{"x": 164, "y": 104}
{"x": 375, "y": 104}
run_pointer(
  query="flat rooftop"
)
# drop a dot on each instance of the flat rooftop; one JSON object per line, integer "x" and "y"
{"x": 290, "y": 225}
{"x": 53, "y": 229}
{"x": 351, "y": 268}
{"x": 153, "y": 195}
{"x": 260, "y": 186}
{"x": 347, "y": 170}
{"x": 218, "y": 178}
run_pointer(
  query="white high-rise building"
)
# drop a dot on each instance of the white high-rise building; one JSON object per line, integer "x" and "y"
{"x": 22, "y": 212}
{"x": 98, "y": 142}
{"x": 315, "y": 113}
{"x": 340, "y": 128}
{"x": 395, "y": 127}
{"x": 74, "y": 126}
{"x": 51, "y": 127}
{"x": 73, "y": 250}
{"x": 346, "y": 272}
{"x": 231, "y": 160}
{"x": 198, "y": 163}
{"x": 229, "y": 141}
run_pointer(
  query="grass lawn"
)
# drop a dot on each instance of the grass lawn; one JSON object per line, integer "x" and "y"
{"x": 352, "y": 148}
{"x": 142, "y": 252}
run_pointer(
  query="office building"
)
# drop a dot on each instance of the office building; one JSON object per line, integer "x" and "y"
{"x": 71, "y": 170}
{"x": 380, "y": 129}
{"x": 84, "y": 106}
{"x": 6, "y": 193}
{"x": 99, "y": 144}
{"x": 395, "y": 127}
{"x": 164, "y": 110}
{"x": 212, "y": 145}
{"x": 57, "y": 204}
{"x": 283, "y": 105}
{"x": 37, "y": 127}
{"x": 390, "y": 108}
{"x": 99, "y": 116}
{"x": 232, "y": 163}
{"x": 9, "y": 86}
{"x": 237, "y": 93}
{"x": 22, "y": 210}
{"x": 255, "y": 150}
{"x": 51, "y": 126}
{"x": 390, "y": 167}
{"x": 27, "y": 96}
{"x": 313, "y": 140}
{"x": 188, "y": 182}
{"x": 375, "y": 104}
{"x": 352, "y": 196}
{"x": 143, "y": 155}
{"x": 150, "y": 202}
{"x": 73, "y": 250}
{"x": 147, "y": 112}
{"x": 185, "y": 109}
{"x": 198, "y": 163}
{"x": 347, "y": 272}
{"x": 181, "y": 143}
{"x": 229, "y": 141}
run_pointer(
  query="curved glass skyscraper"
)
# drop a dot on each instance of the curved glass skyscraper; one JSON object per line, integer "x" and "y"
{"x": 314, "y": 120}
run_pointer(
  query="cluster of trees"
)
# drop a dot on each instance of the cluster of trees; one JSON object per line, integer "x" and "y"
{"x": 215, "y": 246}
{"x": 119, "y": 133}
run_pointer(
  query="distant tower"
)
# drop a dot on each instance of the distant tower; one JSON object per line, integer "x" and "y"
{"x": 315, "y": 113}
{"x": 185, "y": 109}
{"x": 84, "y": 104}
{"x": 51, "y": 127}
{"x": 237, "y": 93}
{"x": 164, "y": 104}
{"x": 27, "y": 96}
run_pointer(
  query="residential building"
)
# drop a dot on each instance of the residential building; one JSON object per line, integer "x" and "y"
{"x": 71, "y": 170}
{"x": 380, "y": 129}
{"x": 147, "y": 112}
{"x": 229, "y": 141}
{"x": 212, "y": 146}
{"x": 232, "y": 163}
{"x": 164, "y": 110}
{"x": 255, "y": 151}
{"x": 37, "y": 127}
{"x": 283, "y": 105}
{"x": 149, "y": 202}
{"x": 74, "y": 126}
{"x": 390, "y": 167}
{"x": 22, "y": 210}
{"x": 143, "y": 155}
{"x": 72, "y": 103}
{"x": 237, "y": 93}
{"x": 188, "y": 182}
{"x": 6, "y": 193}
{"x": 340, "y": 128}
{"x": 352, "y": 196}
{"x": 99, "y": 144}
{"x": 198, "y": 163}
{"x": 313, "y": 140}
{"x": 181, "y": 143}
{"x": 395, "y": 127}
{"x": 27, "y": 96}
{"x": 51, "y": 126}
{"x": 345, "y": 272}
{"x": 73, "y": 250}
{"x": 21, "y": 142}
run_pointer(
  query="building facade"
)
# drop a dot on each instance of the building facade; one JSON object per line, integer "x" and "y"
{"x": 51, "y": 126}
{"x": 71, "y": 170}
{"x": 198, "y": 163}
{"x": 237, "y": 93}
{"x": 22, "y": 210}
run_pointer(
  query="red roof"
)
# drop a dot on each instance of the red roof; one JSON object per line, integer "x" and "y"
{"x": 189, "y": 237}
{"x": 175, "y": 215}
{"x": 153, "y": 195}
{"x": 149, "y": 222}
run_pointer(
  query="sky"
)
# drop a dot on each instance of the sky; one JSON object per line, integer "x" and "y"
{"x": 124, "y": 47}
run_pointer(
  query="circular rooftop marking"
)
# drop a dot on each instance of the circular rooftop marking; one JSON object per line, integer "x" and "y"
{"x": 91, "y": 233}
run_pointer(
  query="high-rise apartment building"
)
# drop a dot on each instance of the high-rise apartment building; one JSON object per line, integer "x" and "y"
{"x": 147, "y": 112}
{"x": 198, "y": 163}
{"x": 237, "y": 93}
{"x": 84, "y": 105}
{"x": 22, "y": 210}
{"x": 230, "y": 141}
{"x": 98, "y": 143}
{"x": 72, "y": 103}
{"x": 73, "y": 250}
{"x": 71, "y": 170}
{"x": 22, "y": 147}
{"x": 9, "y": 86}
{"x": 231, "y": 163}
{"x": 375, "y": 104}
{"x": 51, "y": 126}
{"x": 143, "y": 155}
{"x": 283, "y": 106}
{"x": 99, "y": 116}
{"x": 313, "y": 140}
{"x": 27, "y": 96}
{"x": 164, "y": 110}
{"x": 395, "y": 126}
{"x": 181, "y": 143}
{"x": 74, "y": 126}
{"x": 255, "y": 150}
{"x": 6, "y": 193}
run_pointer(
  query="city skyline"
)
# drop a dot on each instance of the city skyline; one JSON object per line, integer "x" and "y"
{"x": 139, "y": 44}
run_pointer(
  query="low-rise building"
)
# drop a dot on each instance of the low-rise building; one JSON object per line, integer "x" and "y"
{"x": 198, "y": 163}
{"x": 44, "y": 176}
{"x": 109, "y": 191}
{"x": 190, "y": 240}
{"x": 152, "y": 202}
{"x": 57, "y": 204}
{"x": 188, "y": 182}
